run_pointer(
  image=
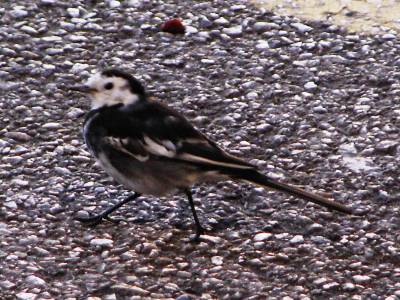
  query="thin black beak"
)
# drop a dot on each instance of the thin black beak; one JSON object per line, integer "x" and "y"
{"x": 83, "y": 88}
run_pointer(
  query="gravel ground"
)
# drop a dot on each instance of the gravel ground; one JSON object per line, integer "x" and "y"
{"x": 306, "y": 102}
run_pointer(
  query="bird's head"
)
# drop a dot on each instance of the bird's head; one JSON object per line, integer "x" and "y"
{"x": 113, "y": 86}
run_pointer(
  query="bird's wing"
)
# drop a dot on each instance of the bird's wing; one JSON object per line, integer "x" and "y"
{"x": 151, "y": 130}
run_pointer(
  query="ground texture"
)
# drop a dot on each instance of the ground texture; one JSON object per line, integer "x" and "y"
{"x": 308, "y": 103}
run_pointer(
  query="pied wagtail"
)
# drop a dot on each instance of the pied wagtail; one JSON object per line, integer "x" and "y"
{"x": 151, "y": 149}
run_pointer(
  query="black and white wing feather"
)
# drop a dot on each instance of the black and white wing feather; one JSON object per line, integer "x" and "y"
{"x": 152, "y": 131}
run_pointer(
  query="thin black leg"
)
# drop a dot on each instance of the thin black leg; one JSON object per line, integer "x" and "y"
{"x": 96, "y": 219}
{"x": 199, "y": 230}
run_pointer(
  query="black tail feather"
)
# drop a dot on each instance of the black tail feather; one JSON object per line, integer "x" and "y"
{"x": 255, "y": 177}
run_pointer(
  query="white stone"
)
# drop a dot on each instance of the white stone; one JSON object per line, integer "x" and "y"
{"x": 252, "y": 95}
{"x": 233, "y": 31}
{"x": 262, "y": 236}
{"x": 217, "y": 260}
{"x": 78, "y": 67}
{"x": 237, "y": 7}
{"x": 330, "y": 285}
{"x": 221, "y": 21}
{"x": 73, "y": 12}
{"x": 20, "y": 182}
{"x": 48, "y": 67}
{"x": 297, "y": 239}
{"x": 26, "y": 296}
{"x": 310, "y": 85}
{"x": 300, "y": 63}
{"x": 348, "y": 286}
{"x": 52, "y": 125}
{"x": 262, "y": 45}
{"x": 349, "y": 148}
{"x": 191, "y": 30}
{"x": 102, "y": 242}
{"x": 75, "y": 112}
{"x": 133, "y": 3}
{"x": 29, "y": 29}
{"x": 80, "y": 21}
{"x": 361, "y": 108}
{"x": 51, "y": 39}
{"x": 320, "y": 281}
{"x": 113, "y": 4}
{"x": 77, "y": 38}
{"x": 301, "y": 27}
{"x": 388, "y": 36}
{"x": 361, "y": 278}
{"x": 208, "y": 61}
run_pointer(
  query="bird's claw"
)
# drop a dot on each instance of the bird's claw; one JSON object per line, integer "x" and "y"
{"x": 199, "y": 232}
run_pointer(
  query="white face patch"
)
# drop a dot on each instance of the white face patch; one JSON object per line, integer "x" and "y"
{"x": 119, "y": 93}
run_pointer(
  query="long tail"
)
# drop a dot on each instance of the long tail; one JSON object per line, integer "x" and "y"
{"x": 262, "y": 180}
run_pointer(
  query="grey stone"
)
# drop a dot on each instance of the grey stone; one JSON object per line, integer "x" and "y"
{"x": 388, "y": 36}
{"x": 233, "y": 31}
{"x": 130, "y": 290}
{"x": 18, "y": 136}
{"x": 221, "y": 21}
{"x": 301, "y": 27}
{"x": 18, "y": 12}
{"x": 35, "y": 281}
{"x": 75, "y": 112}
{"x": 387, "y": 147}
{"x": 7, "y": 284}
{"x": 361, "y": 279}
{"x": 264, "y": 26}
{"x": 26, "y": 296}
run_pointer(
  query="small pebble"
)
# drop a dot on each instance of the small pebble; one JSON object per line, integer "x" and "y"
{"x": 35, "y": 281}
{"x": 301, "y": 27}
{"x": 262, "y": 236}
{"x": 102, "y": 242}
{"x": 233, "y": 31}
{"x": 217, "y": 260}
{"x": 297, "y": 239}
{"x": 360, "y": 279}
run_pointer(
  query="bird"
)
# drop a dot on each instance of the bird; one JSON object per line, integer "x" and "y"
{"x": 151, "y": 149}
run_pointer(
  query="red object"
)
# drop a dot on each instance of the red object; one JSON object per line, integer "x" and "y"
{"x": 173, "y": 26}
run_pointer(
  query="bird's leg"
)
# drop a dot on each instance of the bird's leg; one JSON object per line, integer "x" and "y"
{"x": 96, "y": 219}
{"x": 199, "y": 230}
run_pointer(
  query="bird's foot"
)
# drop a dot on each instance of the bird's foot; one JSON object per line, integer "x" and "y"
{"x": 199, "y": 231}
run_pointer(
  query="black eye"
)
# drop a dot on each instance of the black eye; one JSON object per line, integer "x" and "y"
{"x": 109, "y": 86}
